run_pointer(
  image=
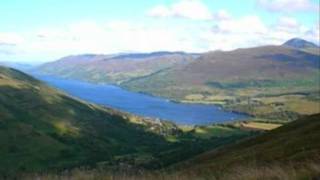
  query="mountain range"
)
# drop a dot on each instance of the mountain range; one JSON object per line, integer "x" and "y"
{"x": 243, "y": 80}
{"x": 114, "y": 69}
{"x": 47, "y": 134}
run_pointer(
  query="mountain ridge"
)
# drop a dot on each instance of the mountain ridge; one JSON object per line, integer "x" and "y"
{"x": 300, "y": 43}
{"x": 220, "y": 77}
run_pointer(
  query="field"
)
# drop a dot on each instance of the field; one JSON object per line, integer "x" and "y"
{"x": 283, "y": 102}
{"x": 260, "y": 125}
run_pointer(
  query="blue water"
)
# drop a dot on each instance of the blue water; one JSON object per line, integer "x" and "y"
{"x": 141, "y": 104}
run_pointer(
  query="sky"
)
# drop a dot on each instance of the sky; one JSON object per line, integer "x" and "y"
{"x": 37, "y": 31}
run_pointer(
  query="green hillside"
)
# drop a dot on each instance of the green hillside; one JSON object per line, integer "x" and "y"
{"x": 113, "y": 68}
{"x": 271, "y": 82}
{"x": 275, "y": 83}
{"x": 293, "y": 150}
{"x": 42, "y": 129}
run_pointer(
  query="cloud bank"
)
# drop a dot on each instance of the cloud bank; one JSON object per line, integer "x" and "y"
{"x": 186, "y": 25}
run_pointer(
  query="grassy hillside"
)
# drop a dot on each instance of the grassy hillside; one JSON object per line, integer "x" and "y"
{"x": 293, "y": 149}
{"x": 290, "y": 152}
{"x": 42, "y": 129}
{"x": 114, "y": 68}
{"x": 274, "y": 82}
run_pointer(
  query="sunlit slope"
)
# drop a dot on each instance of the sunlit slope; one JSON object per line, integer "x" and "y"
{"x": 267, "y": 66}
{"x": 113, "y": 68}
{"x": 41, "y": 128}
{"x": 276, "y": 82}
{"x": 294, "y": 145}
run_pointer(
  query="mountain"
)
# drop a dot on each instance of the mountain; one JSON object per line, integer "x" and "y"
{"x": 43, "y": 129}
{"x": 242, "y": 80}
{"x": 300, "y": 43}
{"x": 303, "y": 45}
{"x": 278, "y": 83}
{"x": 114, "y": 68}
{"x": 289, "y": 152}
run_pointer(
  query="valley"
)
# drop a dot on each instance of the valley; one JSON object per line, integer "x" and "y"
{"x": 189, "y": 117}
{"x": 274, "y": 83}
{"x": 45, "y": 130}
{"x": 142, "y": 104}
{"x": 160, "y": 90}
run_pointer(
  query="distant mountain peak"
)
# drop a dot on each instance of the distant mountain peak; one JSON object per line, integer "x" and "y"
{"x": 299, "y": 43}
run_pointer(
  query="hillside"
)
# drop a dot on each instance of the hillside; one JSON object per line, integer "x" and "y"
{"x": 293, "y": 148}
{"x": 42, "y": 129}
{"x": 113, "y": 68}
{"x": 241, "y": 80}
{"x": 290, "y": 152}
{"x": 300, "y": 43}
{"x": 277, "y": 83}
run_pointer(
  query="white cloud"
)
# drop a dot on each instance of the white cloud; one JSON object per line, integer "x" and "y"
{"x": 190, "y": 9}
{"x": 112, "y": 37}
{"x": 8, "y": 44}
{"x": 225, "y": 33}
{"x": 10, "y": 38}
{"x": 288, "y": 22}
{"x": 247, "y": 24}
{"x": 288, "y": 5}
{"x": 289, "y": 25}
{"x": 222, "y": 15}
{"x": 250, "y": 31}
{"x": 234, "y": 33}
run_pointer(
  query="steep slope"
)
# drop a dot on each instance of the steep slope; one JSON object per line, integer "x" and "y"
{"x": 290, "y": 152}
{"x": 294, "y": 146}
{"x": 41, "y": 128}
{"x": 230, "y": 78}
{"x": 114, "y": 68}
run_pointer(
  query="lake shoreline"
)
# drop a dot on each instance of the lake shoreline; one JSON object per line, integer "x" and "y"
{"x": 142, "y": 104}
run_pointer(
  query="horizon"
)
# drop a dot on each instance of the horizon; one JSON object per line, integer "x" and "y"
{"x": 36, "y": 32}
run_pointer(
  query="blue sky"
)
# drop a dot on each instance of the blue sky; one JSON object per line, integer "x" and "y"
{"x": 43, "y": 30}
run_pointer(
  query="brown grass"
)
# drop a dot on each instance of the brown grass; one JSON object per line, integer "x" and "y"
{"x": 260, "y": 125}
{"x": 306, "y": 171}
